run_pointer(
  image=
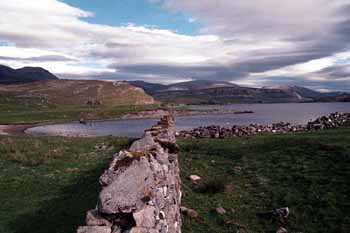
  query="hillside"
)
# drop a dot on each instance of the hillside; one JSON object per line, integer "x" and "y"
{"x": 218, "y": 92}
{"x": 77, "y": 93}
{"x": 338, "y": 98}
{"x": 70, "y": 100}
{"x": 182, "y": 86}
{"x": 24, "y": 75}
{"x": 225, "y": 95}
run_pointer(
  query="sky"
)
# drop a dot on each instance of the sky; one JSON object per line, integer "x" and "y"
{"x": 248, "y": 42}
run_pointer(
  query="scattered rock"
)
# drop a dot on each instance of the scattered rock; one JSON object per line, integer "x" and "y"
{"x": 280, "y": 214}
{"x": 194, "y": 178}
{"x": 82, "y": 121}
{"x": 103, "y": 146}
{"x": 220, "y": 210}
{"x": 228, "y": 188}
{"x": 189, "y": 212}
{"x": 282, "y": 230}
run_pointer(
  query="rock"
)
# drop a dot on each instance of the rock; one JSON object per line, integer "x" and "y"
{"x": 123, "y": 195}
{"x": 141, "y": 189}
{"x": 189, "y": 212}
{"x": 215, "y": 131}
{"x": 94, "y": 229}
{"x": 280, "y": 214}
{"x": 282, "y": 230}
{"x": 145, "y": 143}
{"x": 138, "y": 230}
{"x": 82, "y": 121}
{"x": 116, "y": 229}
{"x": 228, "y": 188}
{"x": 220, "y": 210}
{"x": 93, "y": 218}
{"x": 194, "y": 178}
{"x": 145, "y": 217}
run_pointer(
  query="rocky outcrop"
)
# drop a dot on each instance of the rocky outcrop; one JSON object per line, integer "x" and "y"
{"x": 141, "y": 188}
{"x": 215, "y": 131}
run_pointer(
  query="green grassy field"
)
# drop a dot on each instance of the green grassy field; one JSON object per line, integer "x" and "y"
{"x": 47, "y": 184}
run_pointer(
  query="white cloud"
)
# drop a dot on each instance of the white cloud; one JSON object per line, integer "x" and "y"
{"x": 241, "y": 40}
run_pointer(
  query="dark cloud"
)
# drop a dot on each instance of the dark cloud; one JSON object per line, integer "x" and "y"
{"x": 220, "y": 72}
{"x": 335, "y": 72}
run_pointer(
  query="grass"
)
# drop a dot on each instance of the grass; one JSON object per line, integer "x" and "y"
{"x": 307, "y": 172}
{"x": 47, "y": 184}
{"x": 14, "y": 111}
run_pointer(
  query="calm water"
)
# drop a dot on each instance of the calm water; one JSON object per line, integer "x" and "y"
{"x": 296, "y": 113}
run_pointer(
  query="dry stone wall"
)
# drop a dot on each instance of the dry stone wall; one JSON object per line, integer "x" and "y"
{"x": 141, "y": 189}
{"x": 331, "y": 121}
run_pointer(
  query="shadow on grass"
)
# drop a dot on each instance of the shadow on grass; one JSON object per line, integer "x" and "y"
{"x": 64, "y": 213}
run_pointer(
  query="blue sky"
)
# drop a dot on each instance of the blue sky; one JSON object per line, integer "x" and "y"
{"x": 249, "y": 42}
{"x": 139, "y": 12}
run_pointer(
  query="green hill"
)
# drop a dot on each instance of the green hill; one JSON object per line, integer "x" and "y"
{"x": 69, "y": 100}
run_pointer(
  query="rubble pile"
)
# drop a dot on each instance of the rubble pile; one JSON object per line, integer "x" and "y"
{"x": 141, "y": 188}
{"x": 216, "y": 131}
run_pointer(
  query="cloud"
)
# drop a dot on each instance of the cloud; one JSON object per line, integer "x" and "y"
{"x": 47, "y": 58}
{"x": 243, "y": 40}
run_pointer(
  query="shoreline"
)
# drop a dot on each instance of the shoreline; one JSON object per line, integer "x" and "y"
{"x": 155, "y": 114}
{"x": 15, "y": 129}
{"x": 20, "y": 128}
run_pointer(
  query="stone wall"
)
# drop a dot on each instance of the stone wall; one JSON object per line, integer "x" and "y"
{"x": 331, "y": 121}
{"x": 140, "y": 191}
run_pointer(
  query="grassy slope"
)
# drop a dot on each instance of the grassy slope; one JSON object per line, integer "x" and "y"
{"x": 47, "y": 184}
{"x": 66, "y": 100}
{"x": 309, "y": 173}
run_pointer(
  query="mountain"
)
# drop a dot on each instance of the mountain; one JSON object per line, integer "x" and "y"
{"x": 149, "y": 88}
{"x": 152, "y": 88}
{"x": 306, "y": 92}
{"x": 339, "y": 98}
{"x": 76, "y": 93}
{"x": 226, "y": 95}
{"x": 23, "y": 75}
{"x": 197, "y": 85}
{"x": 217, "y": 92}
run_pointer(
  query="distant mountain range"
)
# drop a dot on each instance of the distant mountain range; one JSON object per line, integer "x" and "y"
{"x": 23, "y": 75}
{"x": 193, "y": 92}
{"x": 218, "y": 92}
